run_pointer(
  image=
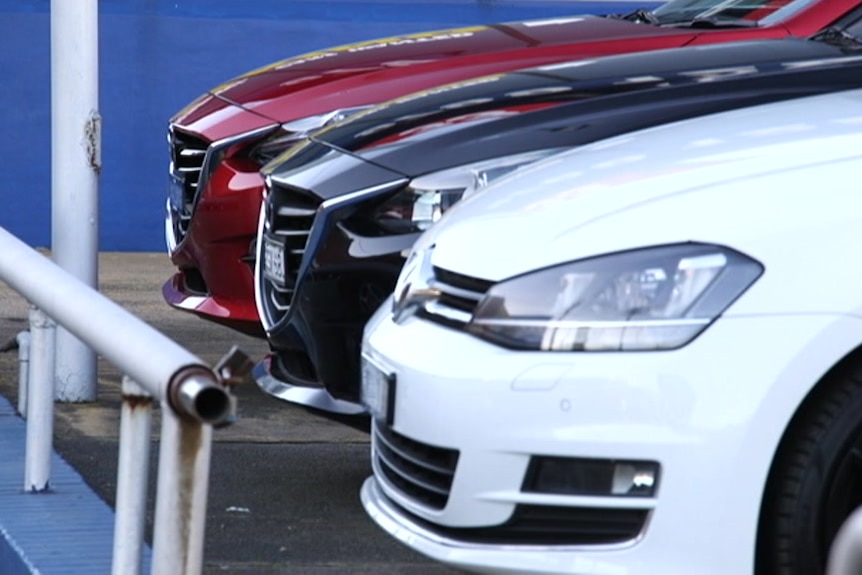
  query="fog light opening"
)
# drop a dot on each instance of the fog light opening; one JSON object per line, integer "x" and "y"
{"x": 594, "y": 477}
{"x": 638, "y": 479}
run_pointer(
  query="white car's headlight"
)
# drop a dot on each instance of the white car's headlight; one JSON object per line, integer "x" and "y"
{"x": 290, "y": 133}
{"x": 424, "y": 200}
{"x": 648, "y": 299}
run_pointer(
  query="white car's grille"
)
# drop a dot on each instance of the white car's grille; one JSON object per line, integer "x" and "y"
{"x": 459, "y": 296}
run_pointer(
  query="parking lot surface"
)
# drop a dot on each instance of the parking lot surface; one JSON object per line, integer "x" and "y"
{"x": 284, "y": 482}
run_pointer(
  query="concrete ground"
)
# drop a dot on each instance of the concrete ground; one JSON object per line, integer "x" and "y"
{"x": 284, "y": 484}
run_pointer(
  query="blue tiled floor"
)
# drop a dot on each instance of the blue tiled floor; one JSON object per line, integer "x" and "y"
{"x": 65, "y": 531}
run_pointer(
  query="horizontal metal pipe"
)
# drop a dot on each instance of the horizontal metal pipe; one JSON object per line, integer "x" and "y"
{"x": 149, "y": 357}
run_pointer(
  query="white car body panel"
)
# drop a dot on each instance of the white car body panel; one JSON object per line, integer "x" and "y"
{"x": 776, "y": 183}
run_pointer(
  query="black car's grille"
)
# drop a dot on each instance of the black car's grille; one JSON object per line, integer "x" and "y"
{"x": 551, "y": 526}
{"x": 422, "y": 472}
{"x": 459, "y": 295}
{"x": 289, "y": 217}
{"x": 187, "y": 159}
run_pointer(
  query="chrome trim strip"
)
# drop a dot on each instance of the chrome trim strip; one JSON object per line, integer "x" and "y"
{"x": 603, "y": 324}
{"x": 170, "y": 237}
{"x": 289, "y": 212}
{"x": 258, "y": 271}
{"x": 456, "y": 291}
{"x": 318, "y": 398}
{"x": 434, "y": 307}
{"x": 347, "y": 198}
{"x": 386, "y": 514}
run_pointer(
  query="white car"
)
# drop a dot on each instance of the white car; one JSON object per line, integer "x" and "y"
{"x": 641, "y": 357}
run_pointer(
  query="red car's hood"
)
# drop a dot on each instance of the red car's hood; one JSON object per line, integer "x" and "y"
{"x": 378, "y": 70}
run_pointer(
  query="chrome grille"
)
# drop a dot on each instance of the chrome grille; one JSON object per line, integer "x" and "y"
{"x": 420, "y": 471}
{"x": 289, "y": 215}
{"x": 459, "y": 296}
{"x": 187, "y": 160}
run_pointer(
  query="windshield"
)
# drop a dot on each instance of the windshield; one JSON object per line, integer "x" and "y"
{"x": 757, "y": 12}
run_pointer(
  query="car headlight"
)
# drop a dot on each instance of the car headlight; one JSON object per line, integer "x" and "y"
{"x": 290, "y": 133}
{"x": 424, "y": 200}
{"x": 647, "y": 299}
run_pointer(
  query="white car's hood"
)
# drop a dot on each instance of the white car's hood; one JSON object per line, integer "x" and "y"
{"x": 557, "y": 210}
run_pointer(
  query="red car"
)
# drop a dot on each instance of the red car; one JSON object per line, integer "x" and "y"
{"x": 220, "y": 141}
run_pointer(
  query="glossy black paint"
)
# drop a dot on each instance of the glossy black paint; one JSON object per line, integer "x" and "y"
{"x": 345, "y": 274}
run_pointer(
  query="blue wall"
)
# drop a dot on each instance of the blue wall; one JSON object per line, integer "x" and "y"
{"x": 155, "y": 57}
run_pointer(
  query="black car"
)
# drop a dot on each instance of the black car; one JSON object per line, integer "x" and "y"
{"x": 343, "y": 208}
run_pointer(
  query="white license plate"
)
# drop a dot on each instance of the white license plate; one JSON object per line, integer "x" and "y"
{"x": 273, "y": 261}
{"x": 378, "y": 390}
{"x": 176, "y": 194}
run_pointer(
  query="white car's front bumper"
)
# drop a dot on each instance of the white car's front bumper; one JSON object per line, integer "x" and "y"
{"x": 711, "y": 414}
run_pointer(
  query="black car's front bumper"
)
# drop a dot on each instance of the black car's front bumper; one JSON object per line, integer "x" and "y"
{"x": 318, "y": 279}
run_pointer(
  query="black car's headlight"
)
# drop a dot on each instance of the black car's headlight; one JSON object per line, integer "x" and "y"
{"x": 655, "y": 298}
{"x": 426, "y": 198}
{"x": 290, "y": 133}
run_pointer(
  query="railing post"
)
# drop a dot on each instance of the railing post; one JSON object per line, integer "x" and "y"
{"x": 40, "y": 403}
{"x": 132, "y": 478}
{"x": 23, "y": 339}
{"x": 181, "y": 494}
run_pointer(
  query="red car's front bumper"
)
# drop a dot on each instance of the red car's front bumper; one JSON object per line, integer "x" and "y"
{"x": 215, "y": 255}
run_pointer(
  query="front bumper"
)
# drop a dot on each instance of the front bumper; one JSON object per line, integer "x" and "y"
{"x": 215, "y": 255}
{"x": 334, "y": 279}
{"x": 711, "y": 414}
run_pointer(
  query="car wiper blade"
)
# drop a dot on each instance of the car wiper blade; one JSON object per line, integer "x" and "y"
{"x": 639, "y": 16}
{"x": 714, "y": 22}
{"x": 837, "y": 37}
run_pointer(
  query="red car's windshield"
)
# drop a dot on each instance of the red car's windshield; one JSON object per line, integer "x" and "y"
{"x": 755, "y": 12}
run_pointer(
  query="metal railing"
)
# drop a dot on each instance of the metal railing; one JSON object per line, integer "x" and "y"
{"x": 193, "y": 396}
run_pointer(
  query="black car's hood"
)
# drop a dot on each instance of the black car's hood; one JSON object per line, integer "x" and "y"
{"x": 558, "y": 107}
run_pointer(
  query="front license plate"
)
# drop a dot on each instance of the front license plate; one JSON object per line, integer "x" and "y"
{"x": 273, "y": 261}
{"x": 378, "y": 390}
{"x": 176, "y": 194}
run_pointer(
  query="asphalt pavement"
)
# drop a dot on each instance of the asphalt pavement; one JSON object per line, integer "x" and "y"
{"x": 284, "y": 483}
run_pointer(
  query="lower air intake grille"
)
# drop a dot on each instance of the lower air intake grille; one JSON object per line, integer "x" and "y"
{"x": 551, "y": 526}
{"x": 422, "y": 472}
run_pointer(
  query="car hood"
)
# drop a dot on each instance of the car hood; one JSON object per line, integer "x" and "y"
{"x": 649, "y": 188}
{"x": 377, "y": 70}
{"x": 565, "y": 106}
{"x": 217, "y": 119}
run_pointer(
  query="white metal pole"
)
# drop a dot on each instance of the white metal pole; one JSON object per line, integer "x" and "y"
{"x": 181, "y": 495}
{"x": 40, "y": 403}
{"x": 23, "y": 339}
{"x": 132, "y": 478}
{"x": 75, "y": 166}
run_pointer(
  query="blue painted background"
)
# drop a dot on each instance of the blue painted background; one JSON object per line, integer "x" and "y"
{"x": 155, "y": 57}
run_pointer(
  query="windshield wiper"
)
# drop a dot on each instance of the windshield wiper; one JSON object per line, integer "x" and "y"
{"x": 713, "y": 22}
{"x": 639, "y": 16}
{"x": 837, "y": 37}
